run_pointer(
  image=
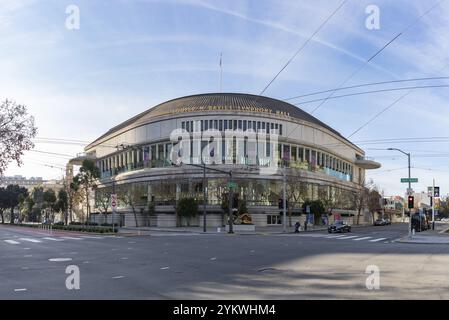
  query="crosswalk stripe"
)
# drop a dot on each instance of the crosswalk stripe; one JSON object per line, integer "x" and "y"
{"x": 52, "y": 239}
{"x": 363, "y": 238}
{"x": 336, "y": 236}
{"x": 30, "y": 240}
{"x": 12, "y": 242}
{"x": 72, "y": 238}
{"x": 347, "y": 237}
{"x": 379, "y": 239}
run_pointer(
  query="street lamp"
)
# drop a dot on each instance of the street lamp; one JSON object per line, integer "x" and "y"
{"x": 231, "y": 195}
{"x": 409, "y": 187}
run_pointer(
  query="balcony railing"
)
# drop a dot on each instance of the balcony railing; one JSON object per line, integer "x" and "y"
{"x": 261, "y": 162}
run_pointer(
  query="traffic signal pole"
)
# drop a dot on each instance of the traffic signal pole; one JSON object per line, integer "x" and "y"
{"x": 409, "y": 191}
{"x": 433, "y": 204}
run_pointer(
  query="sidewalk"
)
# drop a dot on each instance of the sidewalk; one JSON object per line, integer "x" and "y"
{"x": 214, "y": 230}
{"x": 437, "y": 236}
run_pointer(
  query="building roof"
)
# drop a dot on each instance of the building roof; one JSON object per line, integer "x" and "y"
{"x": 221, "y": 101}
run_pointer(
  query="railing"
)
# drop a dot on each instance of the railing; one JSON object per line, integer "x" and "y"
{"x": 245, "y": 161}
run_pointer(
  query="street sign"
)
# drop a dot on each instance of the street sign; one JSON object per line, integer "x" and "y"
{"x": 114, "y": 201}
{"x": 406, "y": 180}
{"x": 232, "y": 185}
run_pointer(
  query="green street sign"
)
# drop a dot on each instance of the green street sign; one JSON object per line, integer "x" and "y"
{"x": 406, "y": 180}
{"x": 232, "y": 185}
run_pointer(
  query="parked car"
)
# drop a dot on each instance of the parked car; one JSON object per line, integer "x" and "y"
{"x": 382, "y": 222}
{"x": 339, "y": 226}
{"x": 420, "y": 222}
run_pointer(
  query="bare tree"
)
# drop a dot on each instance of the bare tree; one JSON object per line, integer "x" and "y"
{"x": 373, "y": 202}
{"x": 103, "y": 201}
{"x": 360, "y": 197}
{"x": 129, "y": 198}
{"x": 16, "y": 131}
{"x": 296, "y": 191}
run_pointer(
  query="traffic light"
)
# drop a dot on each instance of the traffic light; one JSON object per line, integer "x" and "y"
{"x": 411, "y": 202}
{"x": 436, "y": 192}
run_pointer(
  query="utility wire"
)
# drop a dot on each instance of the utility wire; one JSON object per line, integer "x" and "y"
{"x": 365, "y": 85}
{"x": 377, "y": 53}
{"x": 379, "y": 113}
{"x": 375, "y": 91}
{"x": 303, "y": 46}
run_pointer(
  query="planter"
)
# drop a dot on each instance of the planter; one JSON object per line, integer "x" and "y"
{"x": 242, "y": 228}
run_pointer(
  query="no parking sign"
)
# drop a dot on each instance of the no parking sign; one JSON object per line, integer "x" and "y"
{"x": 114, "y": 201}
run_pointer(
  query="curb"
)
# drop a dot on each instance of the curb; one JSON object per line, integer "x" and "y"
{"x": 411, "y": 241}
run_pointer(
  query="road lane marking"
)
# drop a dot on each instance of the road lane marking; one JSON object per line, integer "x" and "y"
{"x": 118, "y": 277}
{"x": 363, "y": 238}
{"x": 72, "y": 238}
{"x": 60, "y": 259}
{"x": 12, "y": 242}
{"x": 19, "y": 290}
{"x": 92, "y": 237}
{"x": 165, "y": 268}
{"x": 30, "y": 240}
{"x": 379, "y": 239}
{"x": 52, "y": 239}
{"x": 335, "y": 236}
{"x": 347, "y": 237}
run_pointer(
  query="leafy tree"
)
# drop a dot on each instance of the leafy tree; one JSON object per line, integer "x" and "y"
{"x": 38, "y": 205}
{"x": 86, "y": 178}
{"x": 3, "y": 203}
{"x": 13, "y": 193}
{"x": 50, "y": 199}
{"x": 16, "y": 131}
{"x": 187, "y": 207}
{"x": 316, "y": 208}
{"x": 75, "y": 197}
{"x": 62, "y": 204}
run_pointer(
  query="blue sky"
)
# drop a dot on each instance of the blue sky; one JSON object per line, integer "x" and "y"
{"x": 130, "y": 55}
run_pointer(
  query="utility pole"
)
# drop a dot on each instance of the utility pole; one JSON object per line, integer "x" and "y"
{"x": 284, "y": 201}
{"x": 231, "y": 204}
{"x": 203, "y": 166}
{"x": 204, "y": 197}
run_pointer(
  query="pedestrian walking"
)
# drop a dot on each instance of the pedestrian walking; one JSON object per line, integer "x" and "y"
{"x": 297, "y": 226}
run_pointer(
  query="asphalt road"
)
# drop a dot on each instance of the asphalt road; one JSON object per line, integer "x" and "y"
{"x": 312, "y": 265}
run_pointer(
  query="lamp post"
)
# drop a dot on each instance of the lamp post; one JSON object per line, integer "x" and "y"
{"x": 409, "y": 187}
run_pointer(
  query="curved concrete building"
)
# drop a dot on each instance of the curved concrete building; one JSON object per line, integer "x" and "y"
{"x": 147, "y": 159}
